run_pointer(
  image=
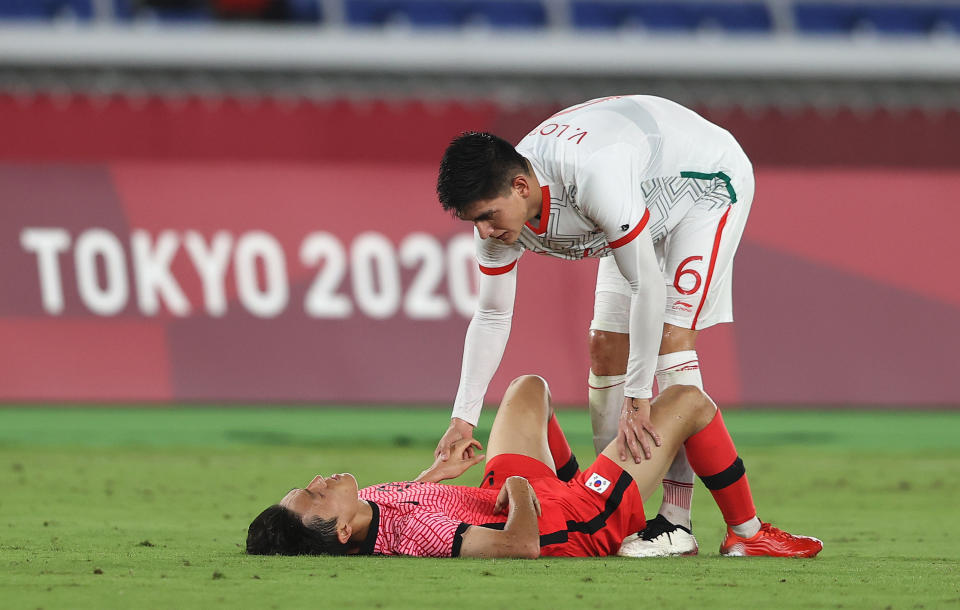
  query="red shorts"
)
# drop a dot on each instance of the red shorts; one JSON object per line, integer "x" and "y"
{"x": 588, "y": 516}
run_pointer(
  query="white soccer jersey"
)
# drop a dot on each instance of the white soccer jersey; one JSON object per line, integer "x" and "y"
{"x": 603, "y": 167}
{"x": 611, "y": 170}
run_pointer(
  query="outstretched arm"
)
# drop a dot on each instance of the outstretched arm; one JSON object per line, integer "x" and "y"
{"x": 520, "y": 538}
{"x": 482, "y": 350}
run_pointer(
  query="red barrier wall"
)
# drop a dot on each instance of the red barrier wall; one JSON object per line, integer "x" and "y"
{"x": 261, "y": 252}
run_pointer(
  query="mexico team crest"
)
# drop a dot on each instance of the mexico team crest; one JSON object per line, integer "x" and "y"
{"x": 597, "y": 483}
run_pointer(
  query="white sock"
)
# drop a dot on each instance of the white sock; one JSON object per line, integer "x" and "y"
{"x": 747, "y": 529}
{"x": 605, "y": 397}
{"x": 678, "y": 491}
{"x": 678, "y": 368}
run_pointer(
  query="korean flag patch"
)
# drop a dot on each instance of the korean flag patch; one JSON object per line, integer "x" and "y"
{"x": 597, "y": 483}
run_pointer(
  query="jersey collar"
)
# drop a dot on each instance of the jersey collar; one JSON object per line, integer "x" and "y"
{"x": 366, "y": 548}
{"x": 544, "y": 212}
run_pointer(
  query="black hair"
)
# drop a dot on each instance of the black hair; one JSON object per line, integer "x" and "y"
{"x": 475, "y": 167}
{"x": 280, "y": 531}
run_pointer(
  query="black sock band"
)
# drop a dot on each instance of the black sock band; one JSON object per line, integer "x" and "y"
{"x": 726, "y": 477}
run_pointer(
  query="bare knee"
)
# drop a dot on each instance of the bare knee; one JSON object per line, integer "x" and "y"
{"x": 530, "y": 383}
{"x": 609, "y": 352}
{"x": 528, "y": 392}
{"x": 690, "y": 402}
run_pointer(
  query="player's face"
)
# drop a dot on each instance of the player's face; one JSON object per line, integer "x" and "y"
{"x": 325, "y": 497}
{"x": 503, "y": 217}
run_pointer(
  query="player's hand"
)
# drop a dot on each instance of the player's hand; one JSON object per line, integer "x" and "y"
{"x": 636, "y": 430}
{"x": 509, "y": 487}
{"x": 459, "y": 430}
{"x": 457, "y": 464}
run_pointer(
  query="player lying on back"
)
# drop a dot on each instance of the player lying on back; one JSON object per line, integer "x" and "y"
{"x": 550, "y": 511}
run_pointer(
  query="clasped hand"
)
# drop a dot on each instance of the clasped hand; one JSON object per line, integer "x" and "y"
{"x": 636, "y": 430}
{"x": 461, "y": 458}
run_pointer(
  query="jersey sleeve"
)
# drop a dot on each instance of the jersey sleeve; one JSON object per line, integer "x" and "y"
{"x": 495, "y": 257}
{"x": 611, "y": 195}
{"x": 638, "y": 264}
{"x": 430, "y": 534}
{"x": 489, "y": 328}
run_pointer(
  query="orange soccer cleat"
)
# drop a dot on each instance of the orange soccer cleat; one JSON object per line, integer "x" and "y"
{"x": 770, "y": 542}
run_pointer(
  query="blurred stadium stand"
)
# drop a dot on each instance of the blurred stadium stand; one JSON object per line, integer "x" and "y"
{"x": 783, "y": 53}
{"x": 676, "y": 16}
{"x": 861, "y": 95}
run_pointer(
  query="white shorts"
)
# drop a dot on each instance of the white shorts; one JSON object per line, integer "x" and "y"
{"x": 696, "y": 257}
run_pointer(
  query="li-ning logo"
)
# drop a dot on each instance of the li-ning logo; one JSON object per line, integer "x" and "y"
{"x": 597, "y": 483}
{"x": 682, "y": 305}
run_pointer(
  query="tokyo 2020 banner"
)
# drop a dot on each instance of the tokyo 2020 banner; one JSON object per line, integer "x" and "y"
{"x": 339, "y": 279}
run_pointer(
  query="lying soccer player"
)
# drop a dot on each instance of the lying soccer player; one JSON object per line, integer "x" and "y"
{"x": 550, "y": 511}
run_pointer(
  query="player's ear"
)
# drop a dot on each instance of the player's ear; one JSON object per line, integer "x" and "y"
{"x": 343, "y": 532}
{"x": 522, "y": 185}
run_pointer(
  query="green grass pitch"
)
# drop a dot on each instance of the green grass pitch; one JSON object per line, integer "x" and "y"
{"x": 148, "y": 508}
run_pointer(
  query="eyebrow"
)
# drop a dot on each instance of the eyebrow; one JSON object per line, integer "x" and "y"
{"x": 309, "y": 493}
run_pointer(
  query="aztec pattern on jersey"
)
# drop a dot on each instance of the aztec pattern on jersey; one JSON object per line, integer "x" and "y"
{"x": 664, "y": 195}
{"x": 573, "y": 236}
{"x": 570, "y": 234}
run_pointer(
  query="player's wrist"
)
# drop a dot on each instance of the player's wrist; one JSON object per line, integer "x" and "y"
{"x": 458, "y": 423}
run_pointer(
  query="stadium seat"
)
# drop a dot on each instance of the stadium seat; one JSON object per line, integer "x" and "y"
{"x": 501, "y": 14}
{"x": 25, "y": 9}
{"x": 130, "y": 10}
{"x": 741, "y": 17}
{"x": 825, "y": 18}
{"x": 364, "y": 12}
{"x": 45, "y": 9}
{"x": 901, "y": 19}
{"x": 304, "y": 10}
{"x": 78, "y": 9}
{"x": 446, "y": 13}
{"x": 663, "y": 16}
{"x": 594, "y": 15}
{"x": 431, "y": 13}
{"x": 123, "y": 10}
{"x": 948, "y": 18}
{"x": 671, "y": 16}
{"x": 883, "y": 18}
{"x": 614, "y": 15}
{"x": 426, "y": 13}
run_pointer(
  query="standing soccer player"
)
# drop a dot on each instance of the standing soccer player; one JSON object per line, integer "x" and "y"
{"x": 658, "y": 194}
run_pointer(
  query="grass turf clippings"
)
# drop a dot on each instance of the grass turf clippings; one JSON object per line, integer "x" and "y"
{"x": 148, "y": 508}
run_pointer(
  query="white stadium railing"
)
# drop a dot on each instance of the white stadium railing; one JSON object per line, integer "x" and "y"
{"x": 479, "y": 52}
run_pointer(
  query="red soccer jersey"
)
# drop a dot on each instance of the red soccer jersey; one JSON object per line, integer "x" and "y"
{"x": 424, "y": 519}
{"x": 586, "y": 517}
